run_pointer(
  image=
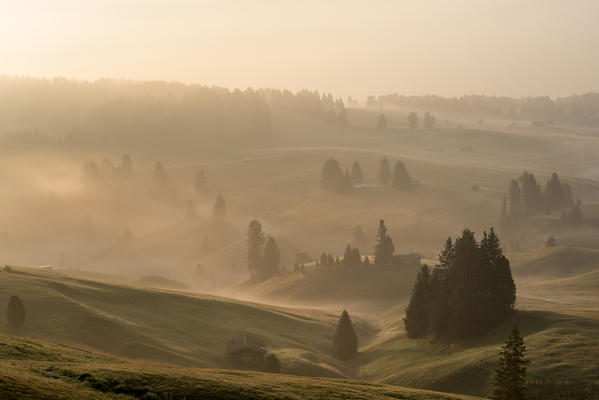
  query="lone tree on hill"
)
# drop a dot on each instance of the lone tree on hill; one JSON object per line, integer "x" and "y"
{"x": 381, "y": 123}
{"x": 15, "y": 312}
{"x": 255, "y": 243}
{"x": 401, "y": 177}
{"x": 272, "y": 364}
{"x": 345, "y": 342}
{"x": 384, "y": 249}
{"x": 413, "y": 120}
{"x": 510, "y": 376}
{"x": 416, "y": 320}
{"x": 357, "y": 177}
{"x": 220, "y": 208}
{"x": 271, "y": 260}
{"x": 428, "y": 122}
{"x": 384, "y": 171}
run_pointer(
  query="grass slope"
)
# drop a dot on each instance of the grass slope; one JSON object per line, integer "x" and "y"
{"x": 556, "y": 262}
{"x": 34, "y": 369}
{"x": 168, "y": 327}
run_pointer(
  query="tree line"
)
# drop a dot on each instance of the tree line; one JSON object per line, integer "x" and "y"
{"x": 334, "y": 179}
{"x": 582, "y": 109}
{"x": 470, "y": 292}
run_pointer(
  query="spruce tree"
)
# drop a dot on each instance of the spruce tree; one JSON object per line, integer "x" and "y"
{"x": 200, "y": 184}
{"x": 384, "y": 172}
{"x": 254, "y": 243}
{"x": 272, "y": 364}
{"x": 271, "y": 260}
{"x": 417, "y": 314}
{"x": 357, "y": 176}
{"x": 554, "y": 193}
{"x": 515, "y": 200}
{"x": 220, "y": 208}
{"x": 401, "y": 177}
{"x": 15, "y": 312}
{"x": 384, "y": 249}
{"x": 532, "y": 197}
{"x": 510, "y": 375}
{"x": 381, "y": 123}
{"x": 413, "y": 120}
{"x": 345, "y": 341}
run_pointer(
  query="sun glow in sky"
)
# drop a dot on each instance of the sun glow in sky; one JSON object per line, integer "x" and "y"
{"x": 447, "y": 47}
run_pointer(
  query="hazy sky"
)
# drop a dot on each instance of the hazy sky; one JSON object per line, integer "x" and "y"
{"x": 451, "y": 47}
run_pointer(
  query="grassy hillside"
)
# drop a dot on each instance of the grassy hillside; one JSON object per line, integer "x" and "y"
{"x": 168, "y": 327}
{"x": 554, "y": 262}
{"x": 559, "y": 346}
{"x": 34, "y": 369}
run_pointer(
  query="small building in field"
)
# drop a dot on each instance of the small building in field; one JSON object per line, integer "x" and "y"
{"x": 246, "y": 352}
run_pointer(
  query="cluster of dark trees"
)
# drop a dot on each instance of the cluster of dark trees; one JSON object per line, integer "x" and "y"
{"x": 345, "y": 341}
{"x": 107, "y": 170}
{"x": 525, "y": 198}
{"x": 332, "y": 178}
{"x": 111, "y": 112}
{"x": 583, "y": 109}
{"x": 399, "y": 179}
{"x": 468, "y": 293}
{"x": 263, "y": 255}
{"x": 384, "y": 251}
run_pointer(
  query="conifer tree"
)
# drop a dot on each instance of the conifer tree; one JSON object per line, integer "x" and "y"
{"x": 345, "y": 341}
{"x": 384, "y": 249}
{"x": 200, "y": 183}
{"x": 254, "y": 243}
{"x": 428, "y": 122}
{"x": 381, "y": 123}
{"x": 413, "y": 120}
{"x": 515, "y": 199}
{"x": 384, "y": 171}
{"x": 532, "y": 196}
{"x": 351, "y": 257}
{"x": 417, "y": 314}
{"x": 554, "y": 193}
{"x": 359, "y": 239}
{"x": 15, "y": 312}
{"x": 510, "y": 375}
{"x": 220, "y": 209}
{"x": 447, "y": 254}
{"x": 332, "y": 178}
{"x": 401, "y": 177}
{"x": 357, "y": 176}
{"x": 272, "y": 364}
{"x": 271, "y": 260}
{"x": 126, "y": 168}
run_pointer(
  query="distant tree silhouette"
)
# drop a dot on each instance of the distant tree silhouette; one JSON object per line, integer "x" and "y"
{"x": 515, "y": 200}
{"x": 255, "y": 243}
{"x": 200, "y": 184}
{"x": 413, "y": 120}
{"x": 351, "y": 257}
{"x": 381, "y": 123}
{"x": 332, "y": 178}
{"x": 125, "y": 170}
{"x": 401, "y": 177}
{"x": 554, "y": 193}
{"x": 510, "y": 375}
{"x": 550, "y": 242}
{"x": 126, "y": 238}
{"x": 384, "y": 171}
{"x": 532, "y": 196}
{"x": 91, "y": 172}
{"x": 190, "y": 209}
{"x": 371, "y": 102}
{"x": 271, "y": 260}
{"x": 572, "y": 217}
{"x": 345, "y": 341}
{"x": 272, "y": 364}
{"x": 357, "y": 177}
{"x": 428, "y": 122}
{"x": 159, "y": 176}
{"x": 359, "y": 239}
{"x": 15, "y": 312}
{"x": 384, "y": 249}
{"x": 220, "y": 208}
{"x": 417, "y": 313}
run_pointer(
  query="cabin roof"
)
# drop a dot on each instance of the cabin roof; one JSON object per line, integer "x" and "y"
{"x": 245, "y": 341}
